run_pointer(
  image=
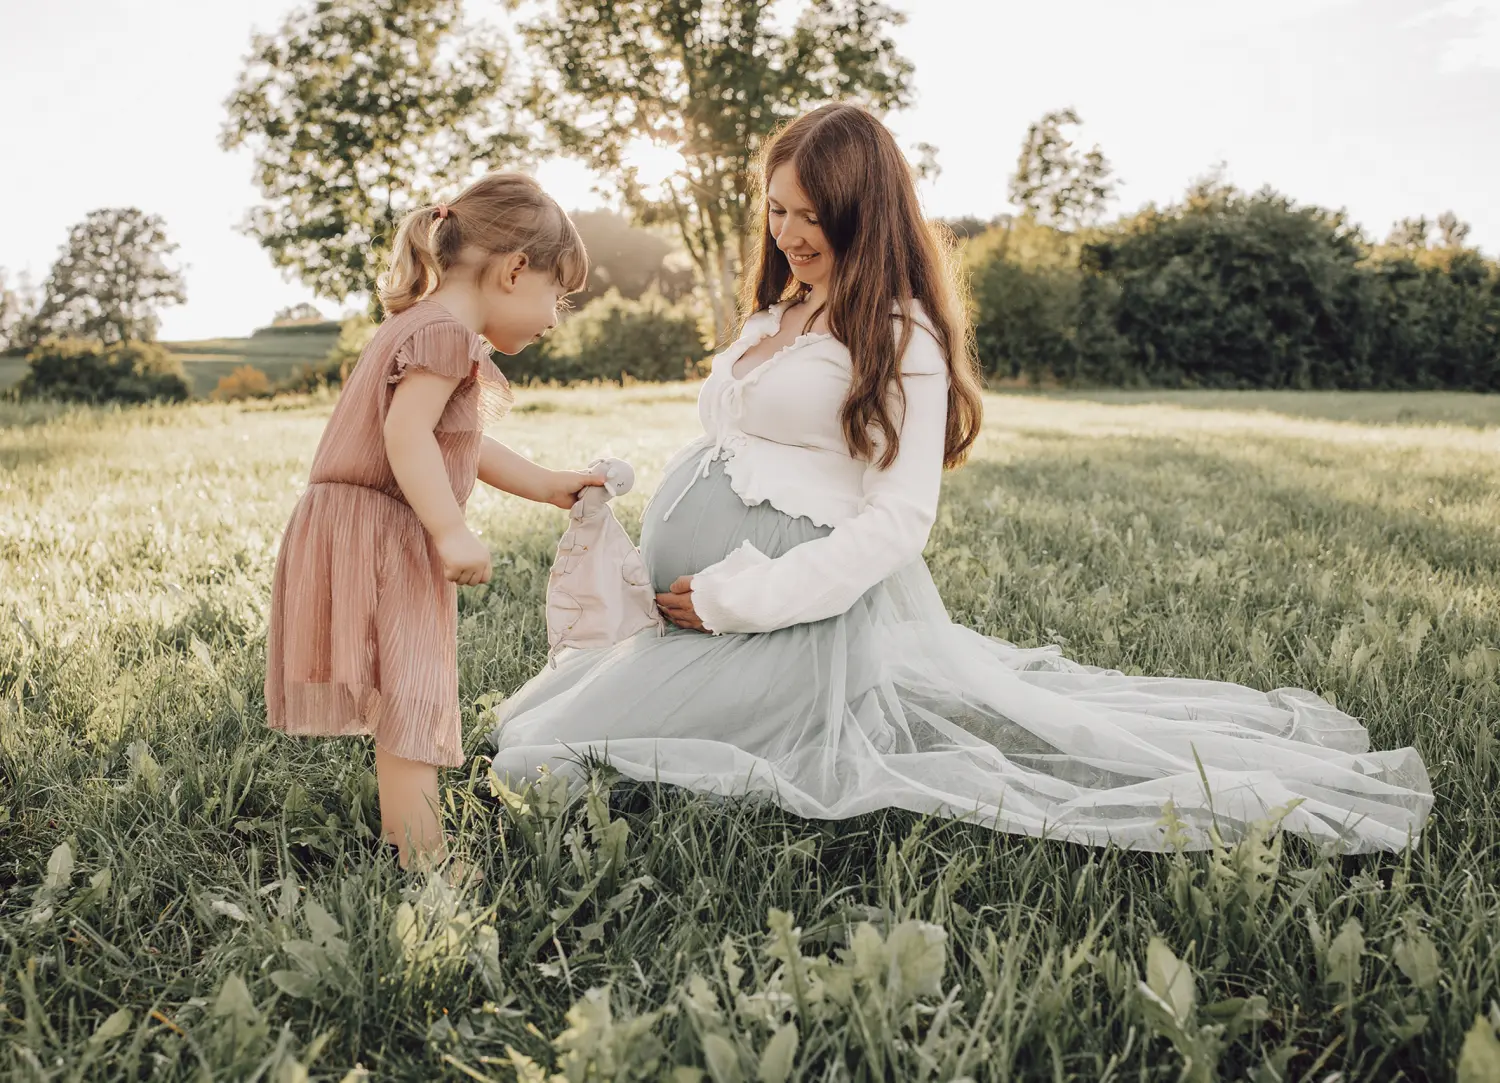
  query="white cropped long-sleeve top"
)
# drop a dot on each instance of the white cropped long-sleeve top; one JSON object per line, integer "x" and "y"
{"x": 779, "y": 429}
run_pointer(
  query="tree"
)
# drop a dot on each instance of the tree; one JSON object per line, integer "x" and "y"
{"x": 88, "y": 370}
{"x": 629, "y": 259}
{"x": 709, "y": 79}
{"x": 1231, "y": 290}
{"x": 110, "y": 279}
{"x": 967, "y": 226}
{"x": 1054, "y": 182}
{"x": 298, "y": 313}
{"x": 926, "y": 164}
{"x": 1410, "y": 232}
{"x": 356, "y": 111}
{"x": 1452, "y": 232}
{"x": 618, "y": 339}
{"x": 1024, "y": 281}
{"x": 18, "y": 305}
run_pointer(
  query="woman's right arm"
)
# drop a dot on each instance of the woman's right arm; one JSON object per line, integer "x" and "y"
{"x": 417, "y": 464}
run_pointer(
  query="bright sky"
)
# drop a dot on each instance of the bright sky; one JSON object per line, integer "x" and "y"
{"x": 1385, "y": 107}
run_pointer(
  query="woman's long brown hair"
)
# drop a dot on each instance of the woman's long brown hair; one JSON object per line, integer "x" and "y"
{"x": 885, "y": 256}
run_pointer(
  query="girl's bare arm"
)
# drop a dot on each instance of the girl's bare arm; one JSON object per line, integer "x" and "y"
{"x": 413, "y": 450}
{"x": 418, "y": 466}
{"x": 511, "y": 472}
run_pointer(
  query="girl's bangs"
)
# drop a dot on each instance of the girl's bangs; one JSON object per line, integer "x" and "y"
{"x": 572, "y": 264}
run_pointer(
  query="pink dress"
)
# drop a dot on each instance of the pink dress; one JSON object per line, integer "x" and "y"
{"x": 363, "y": 629}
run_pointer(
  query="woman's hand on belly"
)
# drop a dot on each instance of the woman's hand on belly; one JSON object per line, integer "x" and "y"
{"x": 677, "y": 605}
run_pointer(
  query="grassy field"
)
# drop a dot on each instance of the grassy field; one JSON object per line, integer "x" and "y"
{"x": 276, "y": 352}
{"x": 1365, "y": 407}
{"x": 187, "y": 895}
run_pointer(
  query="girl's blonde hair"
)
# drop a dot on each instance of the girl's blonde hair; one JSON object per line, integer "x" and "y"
{"x": 500, "y": 213}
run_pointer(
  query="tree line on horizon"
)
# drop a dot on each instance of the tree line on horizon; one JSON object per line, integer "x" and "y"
{"x": 353, "y": 113}
{"x": 1222, "y": 288}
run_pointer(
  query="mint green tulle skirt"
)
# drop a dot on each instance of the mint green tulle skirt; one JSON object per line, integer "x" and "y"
{"x": 892, "y": 705}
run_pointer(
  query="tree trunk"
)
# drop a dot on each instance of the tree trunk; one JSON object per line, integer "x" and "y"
{"x": 721, "y": 320}
{"x": 726, "y": 283}
{"x": 708, "y": 259}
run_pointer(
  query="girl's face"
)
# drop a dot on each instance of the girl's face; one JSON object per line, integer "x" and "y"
{"x": 794, "y": 225}
{"x": 521, "y": 304}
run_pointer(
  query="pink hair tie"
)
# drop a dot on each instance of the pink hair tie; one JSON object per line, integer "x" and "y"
{"x": 442, "y": 210}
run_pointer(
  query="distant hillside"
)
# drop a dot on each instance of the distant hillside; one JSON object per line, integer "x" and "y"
{"x": 275, "y": 350}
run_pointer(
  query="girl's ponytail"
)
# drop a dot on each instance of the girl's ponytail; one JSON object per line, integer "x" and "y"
{"x": 499, "y": 213}
{"x": 425, "y": 245}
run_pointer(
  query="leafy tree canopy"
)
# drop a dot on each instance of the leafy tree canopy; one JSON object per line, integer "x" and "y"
{"x": 112, "y": 276}
{"x": 356, "y": 111}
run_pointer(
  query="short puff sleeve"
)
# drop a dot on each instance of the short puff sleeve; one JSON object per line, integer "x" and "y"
{"x": 449, "y": 349}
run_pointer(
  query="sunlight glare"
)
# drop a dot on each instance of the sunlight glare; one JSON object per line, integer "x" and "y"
{"x": 653, "y": 163}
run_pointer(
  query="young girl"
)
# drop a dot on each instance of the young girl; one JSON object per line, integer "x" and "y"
{"x": 363, "y": 628}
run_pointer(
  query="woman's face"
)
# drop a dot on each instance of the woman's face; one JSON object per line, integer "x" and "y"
{"x": 794, "y": 225}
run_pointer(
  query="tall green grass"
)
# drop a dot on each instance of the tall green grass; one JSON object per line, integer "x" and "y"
{"x": 187, "y": 895}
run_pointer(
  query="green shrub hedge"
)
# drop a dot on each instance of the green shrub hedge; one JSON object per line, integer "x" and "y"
{"x": 85, "y": 370}
{"x": 1228, "y": 290}
{"x": 615, "y": 338}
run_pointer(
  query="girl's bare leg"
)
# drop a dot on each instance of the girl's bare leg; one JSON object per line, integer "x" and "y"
{"x": 409, "y": 804}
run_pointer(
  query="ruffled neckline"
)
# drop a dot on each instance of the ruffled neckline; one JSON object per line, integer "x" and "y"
{"x": 778, "y": 310}
{"x": 479, "y": 346}
{"x": 495, "y": 395}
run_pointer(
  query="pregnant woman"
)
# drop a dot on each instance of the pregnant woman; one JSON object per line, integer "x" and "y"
{"x": 809, "y": 658}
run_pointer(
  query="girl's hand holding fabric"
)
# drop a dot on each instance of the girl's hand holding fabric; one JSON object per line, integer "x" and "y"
{"x": 677, "y": 605}
{"x": 567, "y": 485}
